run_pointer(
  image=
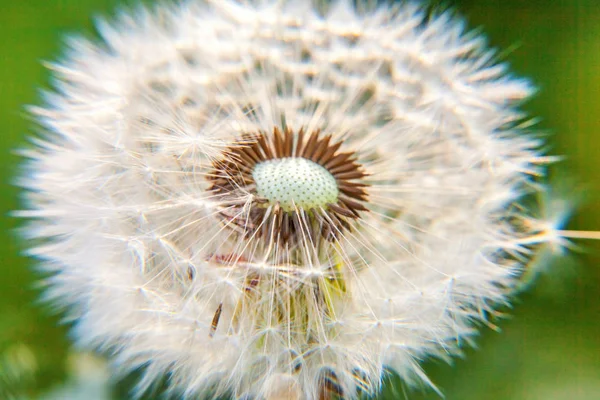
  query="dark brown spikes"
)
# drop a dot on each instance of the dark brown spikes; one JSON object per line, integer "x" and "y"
{"x": 310, "y": 145}
{"x": 277, "y": 220}
{"x": 288, "y": 143}
{"x": 353, "y": 205}
{"x": 252, "y": 154}
{"x": 246, "y": 158}
{"x": 343, "y": 168}
{"x": 321, "y": 148}
{"x": 231, "y": 181}
{"x": 296, "y": 225}
{"x": 302, "y": 218}
{"x": 262, "y": 144}
{"x": 306, "y": 227}
{"x": 343, "y": 222}
{"x": 265, "y": 222}
{"x": 277, "y": 143}
{"x": 337, "y": 160}
{"x": 285, "y": 227}
{"x": 349, "y": 187}
{"x": 257, "y": 150}
{"x": 299, "y": 142}
{"x": 326, "y": 231}
{"x": 220, "y": 182}
{"x": 354, "y": 192}
{"x": 329, "y": 153}
{"x": 243, "y": 168}
{"x": 340, "y": 210}
{"x": 350, "y": 175}
{"x": 355, "y": 184}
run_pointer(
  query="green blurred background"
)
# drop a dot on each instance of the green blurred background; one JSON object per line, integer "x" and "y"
{"x": 549, "y": 346}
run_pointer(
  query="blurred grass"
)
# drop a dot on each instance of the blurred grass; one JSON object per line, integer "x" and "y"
{"x": 549, "y": 348}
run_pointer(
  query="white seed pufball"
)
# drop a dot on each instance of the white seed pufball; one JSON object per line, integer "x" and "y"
{"x": 295, "y": 181}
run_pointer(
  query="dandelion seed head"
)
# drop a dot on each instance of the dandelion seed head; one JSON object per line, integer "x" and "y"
{"x": 282, "y": 198}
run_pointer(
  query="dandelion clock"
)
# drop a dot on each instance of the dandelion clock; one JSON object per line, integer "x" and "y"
{"x": 282, "y": 199}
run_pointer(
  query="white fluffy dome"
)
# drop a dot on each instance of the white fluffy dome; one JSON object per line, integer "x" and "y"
{"x": 295, "y": 181}
{"x": 153, "y": 266}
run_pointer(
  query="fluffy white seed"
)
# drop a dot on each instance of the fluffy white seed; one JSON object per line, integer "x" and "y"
{"x": 144, "y": 258}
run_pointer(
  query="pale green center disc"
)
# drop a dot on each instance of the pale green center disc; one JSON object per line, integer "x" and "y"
{"x": 295, "y": 181}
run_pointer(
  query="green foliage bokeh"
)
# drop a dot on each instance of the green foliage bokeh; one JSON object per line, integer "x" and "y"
{"x": 549, "y": 347}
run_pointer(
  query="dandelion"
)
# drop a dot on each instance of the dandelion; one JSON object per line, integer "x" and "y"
{"x": 282, "y": 199}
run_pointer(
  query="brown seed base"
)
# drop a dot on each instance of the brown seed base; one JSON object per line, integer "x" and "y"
{"x": 243, "y": 210}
